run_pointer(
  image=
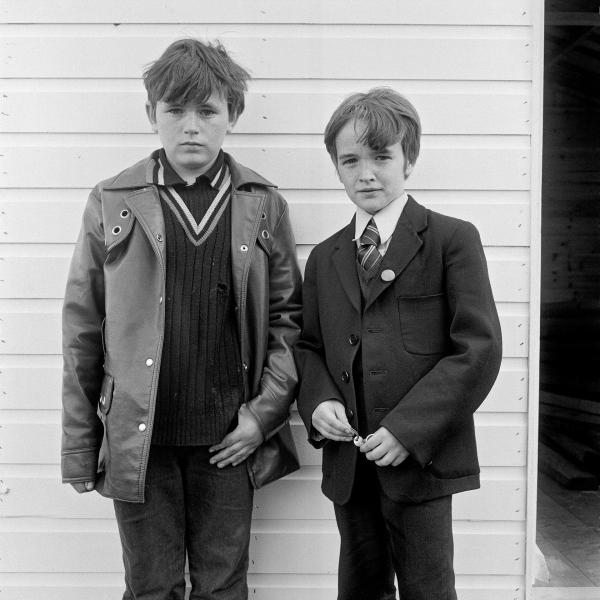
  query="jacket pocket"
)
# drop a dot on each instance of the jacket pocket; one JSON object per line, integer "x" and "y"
{"x": 424, "y": 323}
{"x": 104, "y": 404}
{"x": 106, "y": 395}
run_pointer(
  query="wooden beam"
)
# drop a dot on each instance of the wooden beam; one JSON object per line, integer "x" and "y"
{"x": 564, "y": 471}
{"x": 581, "y": 454}
{"x": 573, "y": 19}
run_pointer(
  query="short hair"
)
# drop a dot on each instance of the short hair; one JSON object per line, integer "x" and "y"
{"x": 388, "y": 117}
{"x": 191, "y": 70}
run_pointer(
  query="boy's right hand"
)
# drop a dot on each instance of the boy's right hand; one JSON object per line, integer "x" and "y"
{"x": 329, "y": 419}
{"x": 83, "y": 486}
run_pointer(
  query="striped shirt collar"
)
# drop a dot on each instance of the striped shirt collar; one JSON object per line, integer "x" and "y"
{"x": 164, "y": 174}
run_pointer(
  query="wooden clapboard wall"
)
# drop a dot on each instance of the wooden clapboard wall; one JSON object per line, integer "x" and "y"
{"x": 71, "y": 109}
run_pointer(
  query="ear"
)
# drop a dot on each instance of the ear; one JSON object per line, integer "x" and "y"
{"x": 151, "y": 114}
{"x": 335, "y": 166}
{"x": 231, "y": 124}
{"x": 407, "y": 170}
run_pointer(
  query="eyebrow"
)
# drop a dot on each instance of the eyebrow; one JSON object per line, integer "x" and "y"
{"x": 204, "y": 103}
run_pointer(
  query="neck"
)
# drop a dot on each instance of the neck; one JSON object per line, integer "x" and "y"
{"x": 190, "y": 175}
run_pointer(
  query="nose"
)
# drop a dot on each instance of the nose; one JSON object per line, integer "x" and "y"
{"x": 192, "y": 122}
{"x": 366, "y": 174}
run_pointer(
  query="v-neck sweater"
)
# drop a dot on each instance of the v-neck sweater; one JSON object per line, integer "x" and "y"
{"x": 200, "y": 385}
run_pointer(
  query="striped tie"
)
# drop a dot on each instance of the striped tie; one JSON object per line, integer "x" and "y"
{"x": 368, "y": 254}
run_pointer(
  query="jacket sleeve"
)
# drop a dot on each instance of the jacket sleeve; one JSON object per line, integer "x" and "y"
{"x": 316, "y": 384}
{"x": 83, "y": 356}
{"x": 454, "y": 388}
{"x": 279, "y": 376}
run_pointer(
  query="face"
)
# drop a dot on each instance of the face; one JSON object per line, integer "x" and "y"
{"x": 372, "y": 178}
{"x": 191, "y": 134}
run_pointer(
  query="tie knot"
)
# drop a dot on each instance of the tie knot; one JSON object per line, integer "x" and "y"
{"x": 368, "y": 253}
{"x": 370, "y": 236}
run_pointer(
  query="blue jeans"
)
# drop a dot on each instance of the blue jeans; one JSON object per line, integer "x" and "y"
{"x": 191, "y": 507}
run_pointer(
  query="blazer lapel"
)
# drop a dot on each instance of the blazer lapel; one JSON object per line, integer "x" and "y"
{"x": 404, "y": 245}
{"x": 344, "y": 260}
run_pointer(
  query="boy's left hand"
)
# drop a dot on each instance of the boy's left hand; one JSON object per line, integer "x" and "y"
{"x": 238, "y": 445}
{"x": 384, "y": 449}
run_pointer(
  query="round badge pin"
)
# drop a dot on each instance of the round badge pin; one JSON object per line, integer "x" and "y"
{"x": 388, "y": 275}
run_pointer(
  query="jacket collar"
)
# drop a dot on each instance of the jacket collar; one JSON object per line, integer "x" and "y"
{"x": 141, "y": 175}
{"x": 405, "y": 243}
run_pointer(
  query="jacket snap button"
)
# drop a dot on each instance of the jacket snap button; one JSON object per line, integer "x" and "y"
{"x": 245, "y": 366}
{"x": 244, "y": 248}
{"x": 116, "y": 230}
{"x": 142, "y": 426}
{"x": 149, "y": 362}
{"x": 160, "y": 300}
{"x": 265, "y": 234}
{"x": 353, "y": 339}
{"x": 159, "y": 237}
{"x": 345, "y": 376}
{"x": 124, "y": 214}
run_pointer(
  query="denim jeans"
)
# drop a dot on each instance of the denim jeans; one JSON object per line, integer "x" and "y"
{"x": 381, "y": 537}
{"x": 192, "y": 508}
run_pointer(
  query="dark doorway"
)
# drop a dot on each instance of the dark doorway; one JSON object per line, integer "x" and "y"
{"x": 569, "y": 453}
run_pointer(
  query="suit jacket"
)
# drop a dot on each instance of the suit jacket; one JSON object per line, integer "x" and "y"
{"x": 430, "y": 345}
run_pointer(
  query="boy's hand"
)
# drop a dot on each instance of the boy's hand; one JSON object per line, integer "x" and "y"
{"x": 238, "y": 445}
{"x": 384, "y": 449}
{"x": 329, "y": 419}
{"x": 81, "y": 487}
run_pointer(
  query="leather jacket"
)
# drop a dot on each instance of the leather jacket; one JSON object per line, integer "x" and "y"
{"x": 113, "y": 322}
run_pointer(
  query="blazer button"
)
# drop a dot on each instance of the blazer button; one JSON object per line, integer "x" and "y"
{"x": 353, "y": 339}
{"x": 345, "y": 376}
{"x": 350, "y": 413}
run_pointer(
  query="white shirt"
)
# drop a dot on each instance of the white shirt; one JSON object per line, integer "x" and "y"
{"x": 386, "y": 220}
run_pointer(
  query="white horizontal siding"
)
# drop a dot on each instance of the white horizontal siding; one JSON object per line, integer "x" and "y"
{"x": 38, "y": 332}
{"x": 277, "y": 547}
{"x": 26, "y": 385}
{"x": 451, "y": 167}
{"x": 112, "y": 52}
{"x": 266, "y": 587}
{"x": 507, "y": 112}
{"x": 502, "y": 218}
{"x": 72, "y": 113}
{"x": 501, "y": 444}
{"x": 297, "y": 497}
{"x": 488, "y": 12}
{"x": 42, "y": 276}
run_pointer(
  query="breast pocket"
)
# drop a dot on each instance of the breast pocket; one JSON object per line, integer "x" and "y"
{"x": 424, "y": 323}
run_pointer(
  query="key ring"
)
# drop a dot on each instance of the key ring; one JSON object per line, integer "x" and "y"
{"x": 359, "y": 441}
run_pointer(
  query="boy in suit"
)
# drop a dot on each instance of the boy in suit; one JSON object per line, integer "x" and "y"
{"x": 401, "y": 343}
{"x": 181, "y": 312}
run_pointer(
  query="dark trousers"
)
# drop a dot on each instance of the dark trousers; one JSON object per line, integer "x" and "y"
{"x": 381, "y": 537}
{"x": 191, "y": 506}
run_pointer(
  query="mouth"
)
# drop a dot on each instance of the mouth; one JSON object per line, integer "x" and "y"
{"x": 369, "y": 190}
{"x": 191, "y": 144}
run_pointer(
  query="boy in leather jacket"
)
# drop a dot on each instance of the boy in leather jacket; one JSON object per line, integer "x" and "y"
{"x": 181, "y": 309}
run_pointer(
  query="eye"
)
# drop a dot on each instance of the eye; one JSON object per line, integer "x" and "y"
{"x": 383, "y": 157}
{"x": 348, "y": 162}
{"x": 207, "y": 112}
{"x": 174, "y": 110}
